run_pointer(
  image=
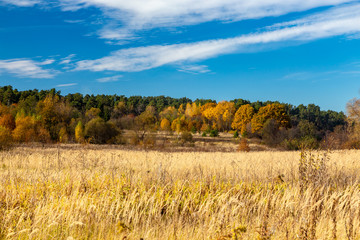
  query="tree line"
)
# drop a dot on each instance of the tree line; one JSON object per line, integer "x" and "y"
{"x": 48, "y": 116}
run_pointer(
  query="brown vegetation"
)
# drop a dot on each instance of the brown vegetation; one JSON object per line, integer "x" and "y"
{"x": 74, "y": 193}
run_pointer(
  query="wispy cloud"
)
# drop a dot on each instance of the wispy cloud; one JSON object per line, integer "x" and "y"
{"x": 27, "y": 68}
{"x": 334, "y": 22}
{"x": 146, "y": 14}
{"x": 67, "y": 85}
{"x": 20, "y": 3}
{"x": 194, "y": 69}
{"x": 109, "y": 79}
{"x": 68, "y": 59}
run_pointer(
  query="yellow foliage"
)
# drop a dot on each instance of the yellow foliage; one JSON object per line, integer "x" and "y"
{"x": 274, "y": 111}
{"x": 242, "y": 117}
{"x": 79, "y": 133}
{"x": 165, "y": 125}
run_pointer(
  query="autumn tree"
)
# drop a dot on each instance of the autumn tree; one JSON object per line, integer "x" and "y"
{"x": 170, "y": 113}
{"x": 179, "y": 124}
{"x": 79, "y": 132}
{"x": 220, "y": 116}
{"x": 165, "y": 125}
{"x": 98, "y": 131}
{"x": 29, "y": 129}
{"x": 243, "y": 117}
{"x": 92, "y": 113}
{"x": 145, "y": 122}
{"x": 271, "y": 111}
{"x": 353, "y": 111}
{"x": 54, "y": 114}
{"x": 5, "y": 138}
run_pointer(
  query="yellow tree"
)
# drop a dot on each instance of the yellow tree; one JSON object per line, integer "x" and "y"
{"x": 79, "y": 133}
{"x": 193, "y": 114}
{"x": 29, "y": 129}
{"x": 165, "y": 125}
{"x": 274, "y": 111}
{"x": 208, "y": 113}
{"x": 220, "y": 116}
{"x": 170, "y": 113}
{"x": 242, "y": 117}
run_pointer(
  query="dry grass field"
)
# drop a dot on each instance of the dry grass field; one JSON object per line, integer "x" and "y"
{"x": 79, "y": 193}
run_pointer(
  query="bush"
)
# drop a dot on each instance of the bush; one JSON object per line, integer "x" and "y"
{"x": 236, "y": 134}
{"x": 352, "y": 144}
{"x": 244, "y": 146}
{"x": 204, "y": 134}
{"x": 308, "y": 142}
{"x": 186, "y": 137}
{"x": 98, "y": 131}
{"x": 214, "y": 133}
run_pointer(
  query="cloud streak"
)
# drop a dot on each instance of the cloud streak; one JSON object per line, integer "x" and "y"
{"x": 27, "y": 68}
{"x": 109, "y": 79}
{"x": 20, "y": 3}
{"x": 147, "y": 14}
{"x": 67, "y": 85}
{"x": 335, "y": 22}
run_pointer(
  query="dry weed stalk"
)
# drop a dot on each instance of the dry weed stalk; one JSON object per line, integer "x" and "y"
{"x": 116, "y": 194}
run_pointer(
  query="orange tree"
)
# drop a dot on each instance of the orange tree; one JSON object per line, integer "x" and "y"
{"x": 274, "y": 111}
{"x": 242, "y": 117}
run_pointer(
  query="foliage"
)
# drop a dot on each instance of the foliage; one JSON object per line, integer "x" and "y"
{"x": 214, "y": 133}
{"x": 236, "y": 134}
{"x": 98, "y": 131}
{"x": 165, "y": 125}
{"x": 186, "y": 137}
{"x": 29, "y": 129}
{"x": 244, "y": 145}
{"x": 6, "y": 140}
{"x": 55, "y": 117}
{"x": 79, "y": 133}
{"x": 272, "y": 111}
{"x": 243, "y": 117}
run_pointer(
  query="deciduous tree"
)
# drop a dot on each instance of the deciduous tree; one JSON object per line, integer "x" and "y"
{"x": 242, "y": 117}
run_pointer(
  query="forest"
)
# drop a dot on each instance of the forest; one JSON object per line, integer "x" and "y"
{"x": 46, "y": 116}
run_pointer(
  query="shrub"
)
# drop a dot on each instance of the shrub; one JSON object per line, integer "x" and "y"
{"x": 214, "y": 133}
{"x": 98, "y": 131}
{"x": 186, "y": 137}
{"x": 244, "y": 146}
{"x": 308, "y": 142}
{"x": 204, "y": 134}
{"x": 236, "y": 134}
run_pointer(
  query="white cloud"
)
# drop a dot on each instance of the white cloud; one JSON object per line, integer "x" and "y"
{"x": 194, "y": 69}
{"x": 146, "y": 14}
{"x": 68, "y": 59}
{"x": 21, "y": 3}
{"x": 67, "y": 85}
{"x": 109, "y": 79}
{"x": 335, "y": 22}
{"x": 27, "y": 68}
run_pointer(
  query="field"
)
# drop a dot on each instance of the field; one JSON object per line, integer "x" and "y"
{"x": 70, "y": 192}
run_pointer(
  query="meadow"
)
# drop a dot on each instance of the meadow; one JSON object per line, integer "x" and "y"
{"x": 82, "y": 192}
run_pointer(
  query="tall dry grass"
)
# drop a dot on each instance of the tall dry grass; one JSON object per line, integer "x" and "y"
{"x": 116, "y": 194}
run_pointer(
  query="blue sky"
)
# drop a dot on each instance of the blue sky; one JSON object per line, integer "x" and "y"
{"x": 294, "y": 51}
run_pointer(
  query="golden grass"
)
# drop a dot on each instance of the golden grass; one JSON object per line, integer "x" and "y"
{"x": 118, "y": 194}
